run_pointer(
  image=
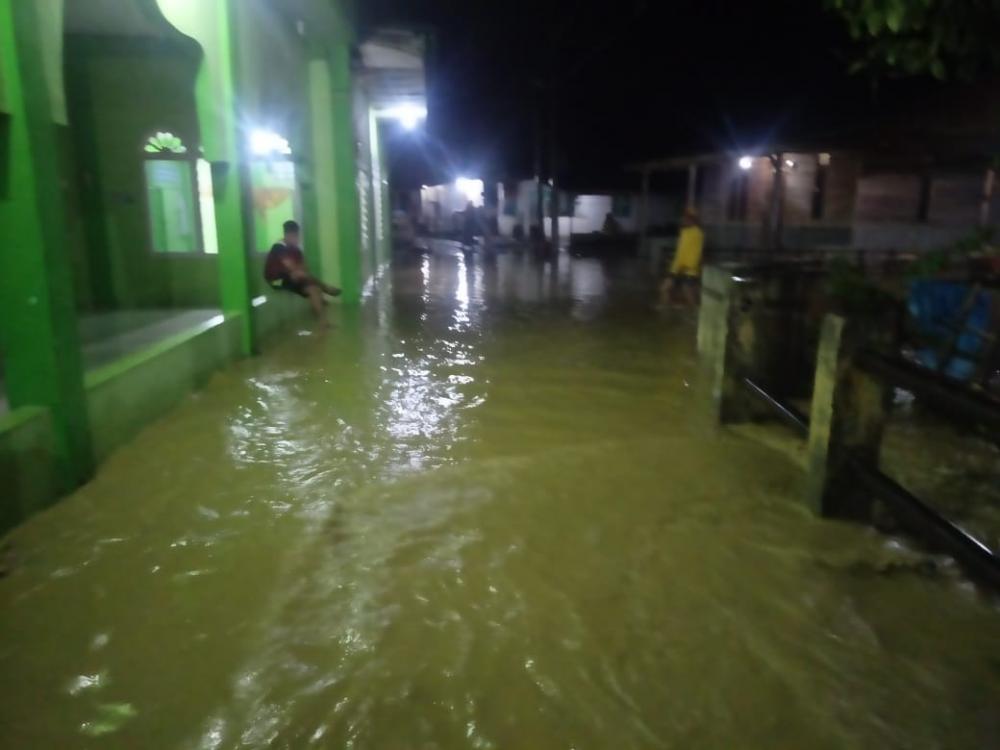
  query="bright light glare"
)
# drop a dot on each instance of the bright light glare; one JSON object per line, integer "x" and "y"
{"x": 408, "y": 115}
{"x": 789, "y": 163}
{"x": 268, "y": 143}
{"x": 746, "y": 162}
{"x": 471, "y": 189}
{"x": 409, "y": 120}
{"x": 206, "y": 201}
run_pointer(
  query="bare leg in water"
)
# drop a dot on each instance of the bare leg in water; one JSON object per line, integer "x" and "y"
{"x": 317, "y": 303}
{"x": 690, "y": 293}
{"x": 315, "y": 289}
{"x": 666, "y": 291}
{"x": 687, "y": 289}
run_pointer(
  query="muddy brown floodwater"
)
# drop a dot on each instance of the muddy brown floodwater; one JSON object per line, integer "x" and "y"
{"x": 485, "y": 512}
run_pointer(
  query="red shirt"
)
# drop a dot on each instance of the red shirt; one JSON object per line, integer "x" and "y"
{"x": 274, "y": 267}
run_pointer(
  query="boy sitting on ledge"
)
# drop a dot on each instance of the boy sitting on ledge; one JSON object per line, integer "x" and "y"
{"x": 286, "y": 269}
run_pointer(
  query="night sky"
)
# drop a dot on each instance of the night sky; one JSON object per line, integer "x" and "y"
{"x": 629, "y": 79}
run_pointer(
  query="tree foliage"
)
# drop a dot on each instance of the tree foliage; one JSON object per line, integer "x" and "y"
{"x": 943, "y": 38}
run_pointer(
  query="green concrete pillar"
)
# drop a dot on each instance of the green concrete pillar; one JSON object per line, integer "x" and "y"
{"x": 215, "y": 94}
{"x": 386, "y": 204}
{"x": 228, "y": 180}
{"x": 345, "y": 163}
{"x": 213, "y": 24}
{"x": 321, "y": 205}
{"x": 380, "y": 196}
{"x": 38, "y": 327}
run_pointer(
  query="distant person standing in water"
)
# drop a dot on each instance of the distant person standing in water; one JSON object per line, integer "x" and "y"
{"x": 285, "y": 269}
{"x": 611, "y": 226}
{"x": 470, "y": 228}
{"x": 685, "y": 270}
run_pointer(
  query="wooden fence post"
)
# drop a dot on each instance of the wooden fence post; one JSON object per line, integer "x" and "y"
{"x": 849, "y": 409}
{"x": 732, "y": 342}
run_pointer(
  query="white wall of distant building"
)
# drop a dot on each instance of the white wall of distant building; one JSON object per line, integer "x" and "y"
{"x": 439, "y": 204}
{"x": 518, "y": 207}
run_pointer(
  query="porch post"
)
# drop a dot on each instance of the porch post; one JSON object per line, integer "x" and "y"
{"x": 692, "y": 186}
{"x": 213, "y": 24}
{"x": 43, "y": 365}
{"x": 777, "y": 218}
{"x": 385, "y": 196}
{"x": 989, "y": 182}
{"x": 230, "y": 176}
{"x": 644, "y": 209}
{"x": 848, "y": 415}
{"x": 345, "y": 163}
{"x": 322, "y": 208}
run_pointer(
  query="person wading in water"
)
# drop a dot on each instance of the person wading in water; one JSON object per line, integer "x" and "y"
{"x": 685, "y": 271}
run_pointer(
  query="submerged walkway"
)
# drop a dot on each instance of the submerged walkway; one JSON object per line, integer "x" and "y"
{"x": 485, "y": 513}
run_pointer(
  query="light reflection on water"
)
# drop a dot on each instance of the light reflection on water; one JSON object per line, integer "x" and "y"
{"x": 485, "y": 513}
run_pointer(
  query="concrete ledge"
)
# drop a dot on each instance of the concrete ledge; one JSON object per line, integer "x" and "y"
{"x": 275, "y": 310}
{"x": 27, "y": 464}
{"x": 128, "y": 394}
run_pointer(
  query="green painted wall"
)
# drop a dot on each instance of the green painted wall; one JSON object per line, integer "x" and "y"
{"x": 273, "y": 83}
{"x": 76, "y": 229}
{"x": 275, "y": 200}
{"x": 207, "y": 22}
{"x": 121, "y": 93}
{"x": 28, "y": 464}
{"x": 4, "y": 106}
{"x": 273, "y": 98}
{"x": 134, "y": 95}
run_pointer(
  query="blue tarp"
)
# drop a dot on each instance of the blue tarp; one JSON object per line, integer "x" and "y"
{"x": 936, "y": 307}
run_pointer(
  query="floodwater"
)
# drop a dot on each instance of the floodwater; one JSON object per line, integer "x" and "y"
{"x": 486, "y": 512}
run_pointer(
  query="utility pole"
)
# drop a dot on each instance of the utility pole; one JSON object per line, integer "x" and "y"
{"x": 989, "y": 181}
{"x": 554, "y": 179}
{"x": 644, "y": 210}
{"x": 777, "y": 218}
{"x": 539, "y": 166}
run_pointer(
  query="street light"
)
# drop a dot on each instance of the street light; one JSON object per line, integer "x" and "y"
{"x": 407, "y": 115}
{"x": 268, "y": 143}
{"x": 471, "y": 189}
{"x": 746, "y": 162}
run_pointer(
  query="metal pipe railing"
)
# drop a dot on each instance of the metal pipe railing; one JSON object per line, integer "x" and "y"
{"x": 933, "y": 529}
{"x": 789, "y": 413}
{"x": 941, "y": 393}
{"x": 914, "y": 516}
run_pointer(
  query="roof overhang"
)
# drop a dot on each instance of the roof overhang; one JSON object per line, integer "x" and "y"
{"x": 394, "y": 70}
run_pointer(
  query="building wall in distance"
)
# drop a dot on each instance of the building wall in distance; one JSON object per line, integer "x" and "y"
{"x": 861, "y": 209}
{"x": 590, "y": 211}
{"x": 956, "y": 199}
{"x": 888, "y": 197}
{"x": 841, "y": 188}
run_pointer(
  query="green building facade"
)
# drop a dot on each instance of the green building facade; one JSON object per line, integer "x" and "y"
{"x": 149, "y": 152}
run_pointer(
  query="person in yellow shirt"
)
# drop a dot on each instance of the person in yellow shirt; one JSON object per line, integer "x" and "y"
{"x": 685, "y": 271}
